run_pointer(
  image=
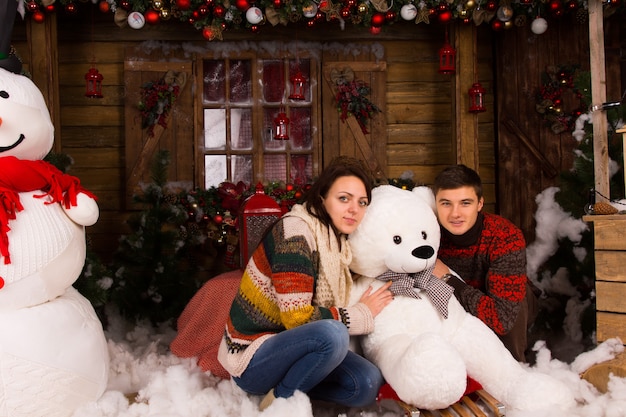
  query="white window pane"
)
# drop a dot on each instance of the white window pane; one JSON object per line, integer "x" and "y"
{"x": 241, "y": 129}
{"x": 215, "y": 128}
{"x": 214, "y": 170}
{"x": 242, "y": 169}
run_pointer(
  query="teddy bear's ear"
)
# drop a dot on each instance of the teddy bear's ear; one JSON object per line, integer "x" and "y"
{"x": 426, "y": 194}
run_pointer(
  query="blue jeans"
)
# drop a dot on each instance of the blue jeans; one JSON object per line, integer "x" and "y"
{"x": 313, "y": 358}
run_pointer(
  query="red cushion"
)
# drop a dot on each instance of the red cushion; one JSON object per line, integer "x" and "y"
{"x": 388, "y": 393}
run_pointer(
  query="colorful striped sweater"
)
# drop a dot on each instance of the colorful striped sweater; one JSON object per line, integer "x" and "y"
{"x": 277, "y": 292}
{"x": 494, "y": 271}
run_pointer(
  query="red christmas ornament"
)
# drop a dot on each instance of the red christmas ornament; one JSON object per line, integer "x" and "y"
{"x": 345, "y": 12}
{"x": 242, "y": 5}
{"x": 375, "y": 30}
{"x": 38, "y": 16}
{"x": 104, "y": 6}
{"x": 445, "y": 16}
{"x": 218, "y": 218}
{"x": 289, "y": 187}
{"x": 572, "y": 5}
{"x": 49, "y": 8}
{"x": 390, "y": 16}
{"x": 378, "y": 19}
{"x": 203, "y": 9}
{"x": 183, "y": 4}
{"x": 125, "y": 4}
{"x": 70, "y": 8}
{"x": 491, "y": 6}
{"x": 152, "y": 17}
{"x": 207, "y": 33}
{"x": 310, "y": 23}
{"x": 278, "y": 4}
{"x": 254, "y": 28}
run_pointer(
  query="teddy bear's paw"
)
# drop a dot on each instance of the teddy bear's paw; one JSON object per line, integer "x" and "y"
{"x": 425, "y": 371}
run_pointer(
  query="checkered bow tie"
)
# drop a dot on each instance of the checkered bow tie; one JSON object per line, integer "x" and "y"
{"x": 404, "y": 284}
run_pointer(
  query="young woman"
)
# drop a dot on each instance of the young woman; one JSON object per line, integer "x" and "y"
{"x": 290, "y": 322}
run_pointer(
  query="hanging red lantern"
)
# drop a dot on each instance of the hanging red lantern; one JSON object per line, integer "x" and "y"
{"x": 93, "y": 83}
{"x": 297, "y": 86}
{"x": 447, "y": 54}
{"x": 476, "y": 98}
{"x": 281, "y": 125}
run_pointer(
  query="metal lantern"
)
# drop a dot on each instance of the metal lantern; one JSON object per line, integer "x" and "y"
{"x": 476, "y": 98}
{"x": 297, "y": 86}
{"x": 447, "y": 54}
{"x": 93, "y": 83}
{"x": 257, "y": 214}
{"x": 281, "y": 125}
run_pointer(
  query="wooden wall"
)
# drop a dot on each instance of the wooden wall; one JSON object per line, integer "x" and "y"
{"x": 419, "y": 113}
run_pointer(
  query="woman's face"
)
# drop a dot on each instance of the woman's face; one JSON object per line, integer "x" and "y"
{"x": 346, "y": 203}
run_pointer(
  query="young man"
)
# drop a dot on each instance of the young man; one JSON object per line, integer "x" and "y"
{"x": 488, "y": 253}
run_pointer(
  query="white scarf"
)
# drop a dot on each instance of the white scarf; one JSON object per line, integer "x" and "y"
{"x": 334, "y": 279}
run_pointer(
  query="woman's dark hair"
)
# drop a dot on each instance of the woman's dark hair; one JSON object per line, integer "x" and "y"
{"x": 457, "y": 176}
{"x": 342, "y": 166}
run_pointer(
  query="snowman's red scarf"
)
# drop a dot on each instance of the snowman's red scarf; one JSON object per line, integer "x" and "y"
{"x": 19, "y": 176}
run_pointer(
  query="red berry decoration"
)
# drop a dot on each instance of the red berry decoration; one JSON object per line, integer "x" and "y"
{"x": 152, "y": 17}
{"x": 125, "y": 4}
{"x": 183, "y": 4}
{"x": 70, "y": 8}
{"x": 278, "y": 4}
{"x": 49, "y": 8}
{"x": 378, "y": 19}
{"x": 32, "y": 6}
{"x": 491, "y": 6}
{"x": 218, "y": 218}
{"x": 497, "y": 25}
{"x": 219, "y": 10}
{"x": 390, "y": 16}
{"x": 38, "y": 16}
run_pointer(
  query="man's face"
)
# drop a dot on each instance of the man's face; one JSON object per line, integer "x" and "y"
{"x": 457, "y": 209}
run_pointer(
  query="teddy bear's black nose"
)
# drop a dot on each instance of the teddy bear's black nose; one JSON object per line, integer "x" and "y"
{"x": 423, "y": 252}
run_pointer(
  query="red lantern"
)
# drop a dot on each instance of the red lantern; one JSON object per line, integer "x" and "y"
{"x": 476, "y": 96}
{"x": 447, "y": 54}
{"x": 281, "y": 125}
{"x": 257, "y": 213}
{"x": 94, "y": 83}
{"x": 297, "y": 86}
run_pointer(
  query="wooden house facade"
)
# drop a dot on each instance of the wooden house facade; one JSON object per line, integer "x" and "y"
{"x": 424, "y": 123}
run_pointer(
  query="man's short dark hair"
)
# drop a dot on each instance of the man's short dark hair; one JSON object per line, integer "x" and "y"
{"x": 457, "y": 176}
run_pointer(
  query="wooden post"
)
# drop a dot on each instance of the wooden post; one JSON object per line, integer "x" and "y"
{"x": 466, "y": 76}
{"x": 623, "y": 132}
{"x": 44, "y": 59}
{"x": 598, "y": 96}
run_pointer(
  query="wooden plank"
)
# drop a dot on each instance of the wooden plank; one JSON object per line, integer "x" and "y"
{"x": 610, "y": 234}
{"x": 611, "y": 296}
{"x": 415, "y": 113}
{"x": 157, "y": 66}
{"x": 546, "y": 166}
{"x": 610, "y": 325}
{"x": 466, "y": 123}
{"x": 87, "y": 116}
{"x": 610, "y": 265}
{"x": 598, "y": 96}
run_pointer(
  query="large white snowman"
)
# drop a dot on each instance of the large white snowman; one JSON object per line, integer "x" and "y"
{"x": 53, "y": 352}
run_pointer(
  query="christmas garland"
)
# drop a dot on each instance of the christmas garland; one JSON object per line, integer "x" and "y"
{"x": 351, "y": 97}
{"x": 213, "y": 17}
{"x": 557, "y": 81}
{"x": 157, "y": 98}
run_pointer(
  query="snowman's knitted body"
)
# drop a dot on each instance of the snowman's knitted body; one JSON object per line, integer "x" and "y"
{"x": 53, "y": 353}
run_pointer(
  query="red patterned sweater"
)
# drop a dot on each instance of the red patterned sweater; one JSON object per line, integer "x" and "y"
{"x": 494, "y": 271}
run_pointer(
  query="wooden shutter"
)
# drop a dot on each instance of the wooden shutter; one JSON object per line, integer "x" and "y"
{"x": 177, "y": 138}
{"x": 346, "y": 137}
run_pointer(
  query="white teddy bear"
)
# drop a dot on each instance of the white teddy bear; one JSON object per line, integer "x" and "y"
{"x": 424, "y": 355}
{"x": 53, "y": 353}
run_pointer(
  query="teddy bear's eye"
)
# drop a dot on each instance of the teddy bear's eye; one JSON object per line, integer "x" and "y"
{"x": 4, "y": 94}
{"x": 397, "y": 239}
{"x": 424, "y": 235}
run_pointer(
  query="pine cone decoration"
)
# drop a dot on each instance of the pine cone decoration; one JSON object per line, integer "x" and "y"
{"x": 604, "y": 208}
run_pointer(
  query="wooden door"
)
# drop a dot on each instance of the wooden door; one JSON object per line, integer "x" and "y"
{"x": 176, "y": 136}
{"x": 346, "y": 137}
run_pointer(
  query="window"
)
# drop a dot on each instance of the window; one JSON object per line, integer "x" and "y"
{"x": 240, "y": 100}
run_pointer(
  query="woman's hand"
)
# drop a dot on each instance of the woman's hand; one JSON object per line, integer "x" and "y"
{"x": 376, "y": 300}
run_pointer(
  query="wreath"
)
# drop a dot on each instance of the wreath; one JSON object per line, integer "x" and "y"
{"x": 157, "y": 98}
{"x": 556, "y": 81}
{"x": 351, "y": 97}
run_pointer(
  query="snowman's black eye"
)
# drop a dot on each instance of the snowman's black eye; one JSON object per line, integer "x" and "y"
{"x": 4, "y": 94}
{"x": 397, "y": 239}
